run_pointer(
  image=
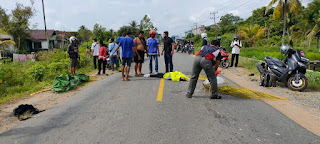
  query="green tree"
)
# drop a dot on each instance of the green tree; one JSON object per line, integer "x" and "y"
{"x": 228, "y": 24}
{"x": 282, "y": 10}
{"x": 251, "y": 33}
{"x": 125, "y": 29}
{"x": 17, "y": 24}
{"x": 99, "y": 32}
{"x": 84, "y": 34}
{"x": 134, "y": 25}
{"x": 146, "y": 25}
{"x": 190, "y": 35}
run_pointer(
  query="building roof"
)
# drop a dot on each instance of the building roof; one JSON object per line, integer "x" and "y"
{"x": 40, "y": 34}
{"x": 63, "y": 35}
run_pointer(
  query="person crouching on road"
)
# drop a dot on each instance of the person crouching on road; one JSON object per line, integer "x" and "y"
{"x": 113, "y": 58}
{"x": 235, "y": 45}
{"x": 73, "y": 52}
{"x": 207, "y": 59}
{"x": 102, "y": 58}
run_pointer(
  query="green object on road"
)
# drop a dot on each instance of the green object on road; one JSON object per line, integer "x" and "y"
{"x": 66, "y": 82}
{"x": 175, "y": 76}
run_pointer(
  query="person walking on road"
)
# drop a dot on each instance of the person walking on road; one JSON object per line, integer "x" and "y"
{"x": 168, "y": 48}
{"x": 73, "y": 51}
{"x": 127, "y": 45}
{"x": 102, "y": 58}
{"x": 235, "y": 45}
{"x": 153, "y": 50}
{"x": 95, "y": 52}
{"x": 141, "y": 45}
{"x": 207, "y": 59}
{"x": 114, "y": 57}
{"x": 205, "y": 39}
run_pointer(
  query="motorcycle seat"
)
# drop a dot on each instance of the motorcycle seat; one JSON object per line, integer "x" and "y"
{"x": 275, "y": 61}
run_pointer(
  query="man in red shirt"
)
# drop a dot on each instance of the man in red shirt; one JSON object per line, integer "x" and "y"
{"x": 102, "y": 58}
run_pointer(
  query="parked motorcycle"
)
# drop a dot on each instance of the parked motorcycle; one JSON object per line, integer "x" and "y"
{"x": 225, "y": 61}
{"x": 291, "y": 72}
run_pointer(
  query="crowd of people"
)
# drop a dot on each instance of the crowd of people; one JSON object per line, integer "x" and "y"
{"x": 126, "y": 49}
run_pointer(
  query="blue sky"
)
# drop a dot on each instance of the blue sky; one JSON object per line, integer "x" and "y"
{"x": 175, "y": 16}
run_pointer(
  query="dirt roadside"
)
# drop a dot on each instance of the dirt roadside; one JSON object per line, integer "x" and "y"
{"x": 42, "y": 101}
{"x": 302, "y": 107}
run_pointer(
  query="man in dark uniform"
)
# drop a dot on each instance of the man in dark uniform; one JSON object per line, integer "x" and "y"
{"x": 168, "y": 48}
{"x": 208, "y": 59}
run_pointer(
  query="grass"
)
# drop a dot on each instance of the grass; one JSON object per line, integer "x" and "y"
{"x": 19, "y": 82}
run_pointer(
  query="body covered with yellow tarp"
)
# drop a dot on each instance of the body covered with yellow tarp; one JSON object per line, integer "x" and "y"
{"x": 175, "y": 76}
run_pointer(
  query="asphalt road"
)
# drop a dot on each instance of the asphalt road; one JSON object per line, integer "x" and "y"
{"x": 112, "y": 111}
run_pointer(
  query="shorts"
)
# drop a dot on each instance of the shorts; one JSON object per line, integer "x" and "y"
{"x": 126, "y": 61}
{"x": 136, "y": 58}
{"x": 73, "y": 62}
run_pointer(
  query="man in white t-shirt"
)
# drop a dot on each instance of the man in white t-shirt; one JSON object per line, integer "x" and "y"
{"x": 235, "y": 45}
{"x": 95, "y": 51}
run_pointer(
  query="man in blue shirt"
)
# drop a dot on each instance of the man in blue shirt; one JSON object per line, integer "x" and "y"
{"x": 153, "y": 50}
{"x": 114, "y": 57}
{"x": 127, "y": 45}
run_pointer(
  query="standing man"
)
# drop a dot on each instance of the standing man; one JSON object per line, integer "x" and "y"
{"x": 95, "y": 51}
{"x": 235, "y": 45}
{"x": 127, "y": 45}
{"x": 168, "y": 47}
{"x": 217, "y": 42}
{"x": 207, "y": 59}
{"x": 141, "y": 46}
{"x": 114, "y": 57}
{"x": 153, "y": 50}
{"x": 73, "y": 51}
{"x": 205, "y": 40}
{"x": 102, "y": 57}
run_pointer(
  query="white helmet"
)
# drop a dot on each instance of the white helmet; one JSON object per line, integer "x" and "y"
{"x": 71, "y": 39}
{"x": 284, "y": 49}
{"x": 204, "y": 35}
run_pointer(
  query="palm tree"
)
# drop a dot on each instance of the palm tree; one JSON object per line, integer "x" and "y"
{"x": 282, "y": 9}
{"x": 5, "y": 43}
{"x": 133, "y": 24}
{"x": 251, "y": 33}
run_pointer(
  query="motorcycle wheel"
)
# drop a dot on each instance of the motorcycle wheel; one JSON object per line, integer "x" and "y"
{"x": 224, "y": 64}
{"x": 301, "y": 86}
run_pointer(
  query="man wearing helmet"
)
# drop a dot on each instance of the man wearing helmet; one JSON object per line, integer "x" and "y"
{"x": 216, "y": 42}
{"x": 235, "y": 45}
{"x": 73, "y": 52}
{"x": 205, "y": 40}
{"x": 153, "y": 50}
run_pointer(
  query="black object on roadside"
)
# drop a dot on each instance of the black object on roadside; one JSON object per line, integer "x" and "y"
{"x": 26, "y": 109}
{"x": 159, "y": 75}
{"x": 251, "y": 74}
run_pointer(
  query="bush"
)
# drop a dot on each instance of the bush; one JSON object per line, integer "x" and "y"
{"x": 37, "y": 72}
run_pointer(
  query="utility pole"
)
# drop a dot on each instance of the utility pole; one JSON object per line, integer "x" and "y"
{"x": 196, "y": 28}
{"x": 215, "y": 25}
{"x": 45, "y": 29}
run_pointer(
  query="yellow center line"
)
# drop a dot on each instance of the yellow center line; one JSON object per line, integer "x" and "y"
{"x": 160, "y": 92}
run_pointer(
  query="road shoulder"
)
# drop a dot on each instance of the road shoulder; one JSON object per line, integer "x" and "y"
{"x": 303, "y": 108}
{"x": 42, "y": 101}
